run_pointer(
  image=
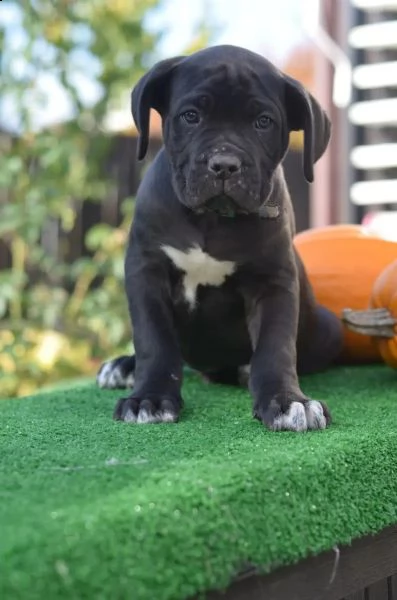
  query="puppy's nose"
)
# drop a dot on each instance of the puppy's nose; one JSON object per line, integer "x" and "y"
{"x": 224, "y": 166}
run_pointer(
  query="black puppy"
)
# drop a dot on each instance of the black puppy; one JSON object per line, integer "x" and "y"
{"x": 212, "y": 277}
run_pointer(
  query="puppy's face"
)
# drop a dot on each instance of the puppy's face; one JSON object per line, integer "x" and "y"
{"x": 227, "y": 114}
{"x": 225, "y": 134}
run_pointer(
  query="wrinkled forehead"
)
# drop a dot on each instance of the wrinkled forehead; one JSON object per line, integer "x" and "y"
{"x": 238, "y": 79}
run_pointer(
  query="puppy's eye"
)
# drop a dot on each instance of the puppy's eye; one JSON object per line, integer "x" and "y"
{"x": 191, "y": 117}
{"x": 264, "y": 122}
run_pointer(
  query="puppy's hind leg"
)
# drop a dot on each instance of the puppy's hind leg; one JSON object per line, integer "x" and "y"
{"x": 117, "y": 373}
{"x": 322, "y": 345}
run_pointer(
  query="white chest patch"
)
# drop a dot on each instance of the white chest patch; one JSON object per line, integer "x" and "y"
{"x": 199, "y": 268}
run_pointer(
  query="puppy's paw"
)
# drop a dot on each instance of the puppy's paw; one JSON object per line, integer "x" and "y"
{"x": 144, "y": 410}
{"x": 117, "y": 373}
{"x": 301, "y": 416}
{"x": 293, "y": 414}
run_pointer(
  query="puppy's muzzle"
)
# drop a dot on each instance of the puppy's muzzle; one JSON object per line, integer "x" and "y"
{"x": 224, "y": 166}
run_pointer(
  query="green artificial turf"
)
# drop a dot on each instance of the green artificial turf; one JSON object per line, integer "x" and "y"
{"x": 91, "y": 508}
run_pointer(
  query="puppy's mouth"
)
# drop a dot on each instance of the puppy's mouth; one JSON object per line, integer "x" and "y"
{"x": 222, "y": 205}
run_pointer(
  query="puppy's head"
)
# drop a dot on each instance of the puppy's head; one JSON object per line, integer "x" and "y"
{"x": 227, "y": 114}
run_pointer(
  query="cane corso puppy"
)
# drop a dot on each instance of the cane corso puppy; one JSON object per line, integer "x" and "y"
{"x": 211, "y": 274}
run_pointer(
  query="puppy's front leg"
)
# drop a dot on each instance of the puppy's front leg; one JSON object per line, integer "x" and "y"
{"x": 272, "y": 317}
{"x": 156, "y": 396}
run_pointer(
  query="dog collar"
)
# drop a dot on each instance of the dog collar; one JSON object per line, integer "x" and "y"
{"x": 265, "y": 212}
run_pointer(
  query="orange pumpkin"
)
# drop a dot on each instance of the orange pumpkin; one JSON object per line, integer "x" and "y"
{"x": 342, "y": 264}
{"x": 384, "y": 296}
{"x": 379, "y": 321}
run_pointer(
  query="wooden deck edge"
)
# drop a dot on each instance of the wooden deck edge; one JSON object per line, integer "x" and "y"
{"x": 365, "y": 570}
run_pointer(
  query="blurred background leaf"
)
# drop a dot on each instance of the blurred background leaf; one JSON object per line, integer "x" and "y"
{"x": 61, "y": 316}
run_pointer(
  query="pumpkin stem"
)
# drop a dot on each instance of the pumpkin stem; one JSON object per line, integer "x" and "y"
{"x": 376, "y": 322}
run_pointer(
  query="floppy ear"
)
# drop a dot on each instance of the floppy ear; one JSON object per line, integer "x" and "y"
{"x": 151, "y": 91}
{"x": 304, "y": 112}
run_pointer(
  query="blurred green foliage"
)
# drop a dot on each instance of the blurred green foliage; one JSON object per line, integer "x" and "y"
{"x": 53, "y": 322}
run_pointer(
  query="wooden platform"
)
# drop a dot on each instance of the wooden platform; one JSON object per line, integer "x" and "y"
{"x": 366, "y": 570}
